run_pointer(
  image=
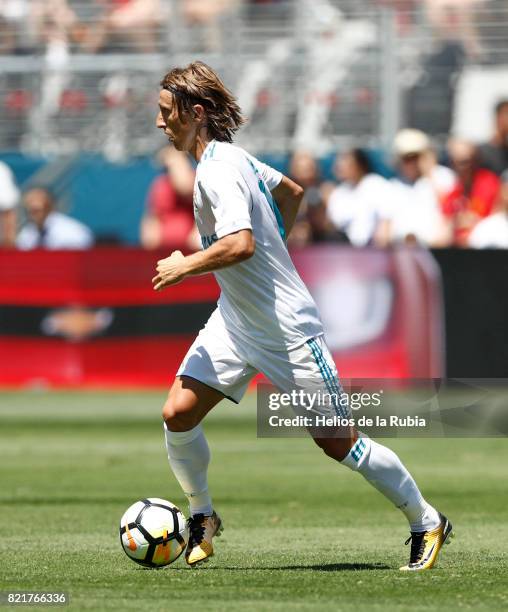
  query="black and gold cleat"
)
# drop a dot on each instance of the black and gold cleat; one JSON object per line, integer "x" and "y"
{"x": 202, "y": 529}
{"x": 425, "y": 546}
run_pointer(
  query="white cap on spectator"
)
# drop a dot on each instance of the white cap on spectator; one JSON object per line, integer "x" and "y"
{"x": 410, "y": 141}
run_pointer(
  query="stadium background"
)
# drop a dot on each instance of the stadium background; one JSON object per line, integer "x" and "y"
{"x": 78, "y": 94}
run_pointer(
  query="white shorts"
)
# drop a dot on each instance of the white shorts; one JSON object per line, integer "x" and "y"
{"x": 227, "y": 363}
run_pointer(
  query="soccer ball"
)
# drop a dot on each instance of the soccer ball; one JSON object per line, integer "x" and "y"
{"x": 153, "y": 532}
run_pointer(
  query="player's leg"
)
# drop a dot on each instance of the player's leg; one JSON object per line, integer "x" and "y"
{"x": 312, "y": 367}
{"x": 211, "y": 370}
{"x": 383, "y": 469}
{"x": 188, "y": 402}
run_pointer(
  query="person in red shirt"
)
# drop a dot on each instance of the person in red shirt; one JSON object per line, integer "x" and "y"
{"x": 169, "y": 218}
{"x": 473, "y": 196}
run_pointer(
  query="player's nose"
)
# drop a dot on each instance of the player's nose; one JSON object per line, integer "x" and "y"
{"x": 159, "y": 122}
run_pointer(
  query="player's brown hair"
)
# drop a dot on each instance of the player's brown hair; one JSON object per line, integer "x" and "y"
{"x": 197, "y": 83}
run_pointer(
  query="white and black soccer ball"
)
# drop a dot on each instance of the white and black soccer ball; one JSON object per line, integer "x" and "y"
{"x": 153, "y": 532}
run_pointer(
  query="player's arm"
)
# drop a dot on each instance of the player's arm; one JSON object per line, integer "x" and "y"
{"x": 227, "y": 251}
{"x": 288, "y": 196}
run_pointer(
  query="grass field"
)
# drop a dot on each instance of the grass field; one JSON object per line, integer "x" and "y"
{"x": 301, "y": 532}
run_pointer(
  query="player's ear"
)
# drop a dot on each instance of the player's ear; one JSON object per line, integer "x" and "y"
{"x": 199, "y": 112}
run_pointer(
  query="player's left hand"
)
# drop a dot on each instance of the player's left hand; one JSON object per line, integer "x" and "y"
{"x": 170, "y": 271}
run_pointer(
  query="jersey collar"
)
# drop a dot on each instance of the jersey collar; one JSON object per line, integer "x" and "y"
{"x": 209, "y": 151}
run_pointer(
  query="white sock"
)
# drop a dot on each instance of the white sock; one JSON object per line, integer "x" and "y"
{"x": 189, "y": 456}
{"x": 384, "y": 470}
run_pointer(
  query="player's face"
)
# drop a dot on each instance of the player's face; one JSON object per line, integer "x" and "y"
{"x": 180, "y": 130}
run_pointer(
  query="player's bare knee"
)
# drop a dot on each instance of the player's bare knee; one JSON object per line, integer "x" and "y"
{"x": 178, "y": 421}
{"x": 177, "y": 414}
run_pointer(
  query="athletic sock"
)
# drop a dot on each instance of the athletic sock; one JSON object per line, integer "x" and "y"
{"x": 189, "y": 456}
{"x": 384, "y": 470}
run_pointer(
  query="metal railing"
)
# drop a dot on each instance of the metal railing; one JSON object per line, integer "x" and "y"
{"x": 319, "y": 74}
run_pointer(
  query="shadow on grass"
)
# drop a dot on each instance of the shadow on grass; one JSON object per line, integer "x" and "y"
{"x": 337, "y": 567}
{"x": 322, "y": 567}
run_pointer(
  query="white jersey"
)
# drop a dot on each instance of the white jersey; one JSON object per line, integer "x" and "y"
{"x": 263, "y": 299}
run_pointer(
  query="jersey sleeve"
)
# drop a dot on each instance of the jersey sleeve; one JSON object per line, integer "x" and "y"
{"x": 270, "y": 176}
{"x": 223, "y": 186}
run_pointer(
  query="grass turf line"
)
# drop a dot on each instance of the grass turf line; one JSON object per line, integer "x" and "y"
{"x": 301, "y": 533}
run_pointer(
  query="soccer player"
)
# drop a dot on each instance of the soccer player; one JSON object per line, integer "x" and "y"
{"x": 266, "y": 320}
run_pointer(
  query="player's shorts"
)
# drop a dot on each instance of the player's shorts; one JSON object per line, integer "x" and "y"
{"x": 227, "y": 364}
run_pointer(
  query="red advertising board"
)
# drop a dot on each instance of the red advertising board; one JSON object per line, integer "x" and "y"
{"x": 92, "y": 318}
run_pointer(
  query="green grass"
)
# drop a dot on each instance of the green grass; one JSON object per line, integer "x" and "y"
{"x": 301, "y": 532}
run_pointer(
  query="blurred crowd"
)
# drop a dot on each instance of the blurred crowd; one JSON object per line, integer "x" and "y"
{"x": 26, "y": 23}
{"x": 63, "y": 26}
{"x": 459, "y": 202}
{"x": 327, "y": 52}
{"x": 92, "y": 26}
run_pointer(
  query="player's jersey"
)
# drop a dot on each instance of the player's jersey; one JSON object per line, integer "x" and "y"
{"x": 263, "y": 299}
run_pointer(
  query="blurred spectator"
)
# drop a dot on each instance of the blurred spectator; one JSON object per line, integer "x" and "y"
{"x": 405, "y": 11}
{"x": 9, "y": 196}
{"x": 304, "y": 170}
{"x": 48, "y": 229}
{"x": 206, "y": 16}
{"x": 126, "y": 25}
{"x": 492, "y": 232}
{"x": 13, "y": 17}
{"x": 455, "y": 20}
{"x": 53, "y": 22}
{"x": 321, "y": 228}
{"x": 312, "y": 223}
{"x": 419, "y": 190}
{"x": 26, "y": 24}
{"x": 494, "y": 154}
{"x": 473, "y": 195}
{"x": 361, "y": 204}
{"x": 169, "y": 218}
{"x": 431, "y": 100}
{"x": 204, "y": 11}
